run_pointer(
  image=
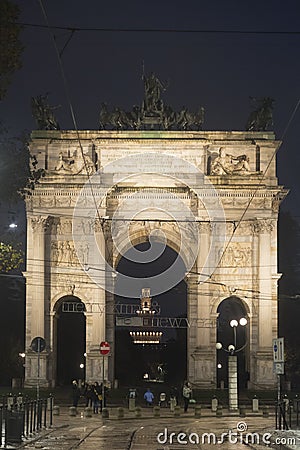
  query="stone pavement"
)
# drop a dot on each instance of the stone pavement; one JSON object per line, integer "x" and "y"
{"x": 155, "y": 433}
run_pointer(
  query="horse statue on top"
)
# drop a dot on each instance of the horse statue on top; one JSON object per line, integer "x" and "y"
{"x": 262, "y": 117}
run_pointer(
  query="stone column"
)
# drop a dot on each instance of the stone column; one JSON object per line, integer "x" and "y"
{"x": 265, "y": 334}
{"x": 203, "y": 354}
{"x": 35, "y": 302}
{"x": 96, "y": 321}
{"x": 264, "y": 355}
{"x": 203, "y": 333}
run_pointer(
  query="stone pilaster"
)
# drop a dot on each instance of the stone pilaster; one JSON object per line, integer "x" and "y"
{"x": 35, "y": 304}
{"x": 264, "y": 228}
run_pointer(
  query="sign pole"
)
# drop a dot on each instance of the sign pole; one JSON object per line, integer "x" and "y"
{"x": 278, "y": 358}
{"x": 104, "y": 351}
{"x": 103, "y": 390}
{"x": 38, "y": 344}
{"x": 278, "y": 389}
{"x": 38, "y": 370}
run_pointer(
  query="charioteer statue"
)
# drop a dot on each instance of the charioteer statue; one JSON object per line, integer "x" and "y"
{"x": 153, "y": 113}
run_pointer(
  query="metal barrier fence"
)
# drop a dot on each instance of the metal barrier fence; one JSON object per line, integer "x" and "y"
{"x": 20, "y": 419}
{"x": 287, "y": 414}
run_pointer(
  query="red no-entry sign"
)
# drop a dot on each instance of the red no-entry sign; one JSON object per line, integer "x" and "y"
{"x": 104, "y": 348}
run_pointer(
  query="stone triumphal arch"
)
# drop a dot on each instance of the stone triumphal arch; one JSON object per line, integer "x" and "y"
{"x": 212, "y": 197}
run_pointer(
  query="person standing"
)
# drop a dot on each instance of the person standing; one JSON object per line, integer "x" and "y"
{"x": 149, "y": 397}
{"x": 97, "y": 397}
{"x": 75, "y": 393}
{"x": 186, "y": 394}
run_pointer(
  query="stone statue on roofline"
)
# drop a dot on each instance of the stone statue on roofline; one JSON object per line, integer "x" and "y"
{"x": 261, "y": 119}
{"x": 43, "y": 113}
{"x": 153, "y": 113}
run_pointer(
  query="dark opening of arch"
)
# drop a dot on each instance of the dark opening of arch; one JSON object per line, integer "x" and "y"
{"x": 70, "y": 340}
{"x": 229, "y": 309}
{"x": 133, "y": 361}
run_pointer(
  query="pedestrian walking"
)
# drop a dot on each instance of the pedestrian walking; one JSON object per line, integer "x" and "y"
{"x": 186, "y": 394}
{"x": 149, "y": 397}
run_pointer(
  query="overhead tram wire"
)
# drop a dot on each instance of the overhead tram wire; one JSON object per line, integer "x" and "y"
{"x": 260, "y": 181}
{"x": 66, "y": 88}
{"x": 158, "y": 30}
{"x": 75, "y": 29}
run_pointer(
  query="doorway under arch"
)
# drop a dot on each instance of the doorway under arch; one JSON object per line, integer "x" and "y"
{"x": 140, "y": 363}
{"x": 70, "y": 338}
{"x": 229, "y": 309}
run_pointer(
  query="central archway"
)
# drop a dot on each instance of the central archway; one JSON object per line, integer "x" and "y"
{"x": 161, "y": 362}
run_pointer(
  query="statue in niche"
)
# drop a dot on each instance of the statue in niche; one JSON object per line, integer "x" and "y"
{"x": 43, "y": 113}
{"x": 262, "y": 117}
{"x": 226, "y": 164}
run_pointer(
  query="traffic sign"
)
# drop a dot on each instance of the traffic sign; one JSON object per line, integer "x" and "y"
{"x": 278, "y": 350}
{"x": 38, "y": 344}
{"x": 279, "y": 368}
{"x": 104, "y": 348}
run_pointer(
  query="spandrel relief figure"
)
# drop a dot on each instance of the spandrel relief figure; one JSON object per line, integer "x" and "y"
{"x": 226, "y": 164}
{"x": 78, "y": 163}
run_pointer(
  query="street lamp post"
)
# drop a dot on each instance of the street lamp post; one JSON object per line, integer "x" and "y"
{"x": 233, "y": 401}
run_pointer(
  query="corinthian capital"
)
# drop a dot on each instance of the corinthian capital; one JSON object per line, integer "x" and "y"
{"x": 39, "y": 223}
{"x": 263, "y": 226}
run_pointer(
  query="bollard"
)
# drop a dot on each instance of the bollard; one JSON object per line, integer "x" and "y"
{"x": 255, "y": 406}
{"x": 105, "y": 413}
{"x": 131, "y": 404}
{"x": 88, "y": 412}
{"x": 219, "y": 412}
{"x": 197, "y": 411}
{"x": 177, "y": 411}
{"x": 214, "y": 404}
{"x": 242, "y": 411}
{"x": 56, "y": 410}
{"x": 10, "y": 402}
{"x": 265, "y": 411}
{"x": 19, "y": 400}
{"x": 172, "y": 404}
{"x": 138, "y": 412}
{"x": 156, "y": 411}
{"x": 120, "y": 413}
{"x": 72, "y": 411}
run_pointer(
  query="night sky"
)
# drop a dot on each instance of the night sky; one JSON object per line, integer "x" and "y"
{"x": 218, "y": 67}
{"x": 213, "y": 69}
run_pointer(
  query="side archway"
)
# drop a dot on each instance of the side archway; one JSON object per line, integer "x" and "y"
{"x": 69, "y": 341}
{"x": 233, "y": 309}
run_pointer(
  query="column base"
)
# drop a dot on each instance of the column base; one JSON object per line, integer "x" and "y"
{"x": 264, "y": 375}
{"x": 202, "y": 369}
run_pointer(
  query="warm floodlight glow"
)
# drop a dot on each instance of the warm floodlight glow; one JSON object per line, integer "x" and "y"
{"x": 243, "y": 321}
